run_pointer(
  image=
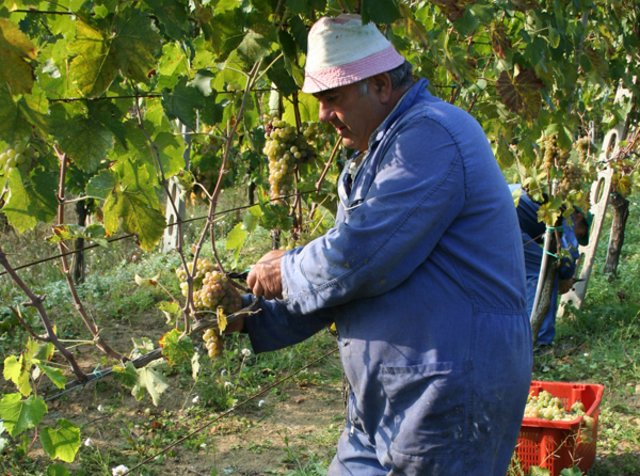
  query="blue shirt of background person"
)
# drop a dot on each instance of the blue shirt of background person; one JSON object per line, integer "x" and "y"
{"x": 575, "y": 232}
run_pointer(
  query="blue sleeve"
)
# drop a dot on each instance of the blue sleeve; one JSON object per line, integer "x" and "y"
{"x": 273, "y": 327}
{"x": 416, "y": 194}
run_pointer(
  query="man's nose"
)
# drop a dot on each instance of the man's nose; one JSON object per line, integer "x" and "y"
{"x": 325, "y": 114}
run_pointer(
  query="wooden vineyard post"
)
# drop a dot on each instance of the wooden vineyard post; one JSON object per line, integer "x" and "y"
{"x": 170, "y": 238}
{"x": 600, "y": 191}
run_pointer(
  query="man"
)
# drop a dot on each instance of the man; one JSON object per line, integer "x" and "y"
{"x": 575, "y": 232}
{"x": 422, "y": 274}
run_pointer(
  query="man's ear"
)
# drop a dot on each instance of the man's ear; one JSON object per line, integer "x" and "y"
{"x": 381, "y": 84}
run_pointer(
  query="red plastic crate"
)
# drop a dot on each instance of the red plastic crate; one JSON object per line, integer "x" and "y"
{"x": 555, "y": 445}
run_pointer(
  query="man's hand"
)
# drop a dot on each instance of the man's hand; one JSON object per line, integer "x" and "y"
{"x": 564, "y": 286}
{"x": 265, "y": 279}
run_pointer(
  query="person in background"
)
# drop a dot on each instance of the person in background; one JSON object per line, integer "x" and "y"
{"x": 423, "y": 272}
{"x": 575, "y": 232}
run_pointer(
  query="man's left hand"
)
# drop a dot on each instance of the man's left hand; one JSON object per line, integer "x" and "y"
{"x": 265, "y": 279}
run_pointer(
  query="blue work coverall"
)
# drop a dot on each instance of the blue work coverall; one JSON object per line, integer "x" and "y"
{"x": 424, "y": 277}
{"x": 532, "y": 231}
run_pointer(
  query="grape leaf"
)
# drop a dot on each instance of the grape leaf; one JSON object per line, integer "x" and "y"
{"x": 17, "y": 370}
{"x": 500, "y": 41}
{"x": 127, "y": 375}
{"x": 575, "y": 471}
{"x": 253, "y": 47}
{"x": 134, "y": 206}
{"x": 225, "y": 32}
{"x": 101, "y": 185}
{"x": 171, "y": 311}
{"x": 182, "y": 103}
{"x": 62, "y": 443}
{"x": 236, "y": 237}
{"x": 174, "y": 349}
{"x": 20, "y": 415}
{"x": 56, "y": 376}
{"x": 150, "y": 378}
{"x": 537, "y": 471}
{"x": 13, "y": 124}
{"x": 85, "y": 141}
{"x": 57, "y": 470}
{"x": 15, "y": 48}
{"x": 92, "y": 69}
{"x": 70, "y": 231}
{"x": 136, "y": 44}
{"x": 31, "y": 202}
{"x": 520, "y": 94}
{"x": 172, "y": 16}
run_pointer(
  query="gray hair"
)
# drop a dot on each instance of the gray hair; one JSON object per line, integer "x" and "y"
{"x": 401, "y": 78}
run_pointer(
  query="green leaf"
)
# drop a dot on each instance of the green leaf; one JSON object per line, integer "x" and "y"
{"x": 20, "y": 415}
{"x": 172, "y": 16}
{"x": 467, "y": 23}
{"x": 171, "y": 311}
{"x": 31, "y": 202}
{"x": 536, "y": 471}
{"x": 135, "y": 207}
{"x": 150, "y": 378}
{"x": 575, "y": 471}
{"x": 57, "y": 470}
{"x": 174, "y": 349}
{"x": 61, "y": 443}
{"x": 70, "y": 231}
{"x": 56, "y": 375}
{"x": 136, "y": 44}
{"x": 15, "y": 50}
{"x": 101, "y": 185}
{"x": 92, "y": 68}
{"x": 236, "y": 237}
{"x": 127, "y": 375}
{"x": 182, "y": 103}
{"x": 253, "y": 48}
{"x": 306, "y": 6}
{"x": 13, "y": 124}
{"x": 44, "y": 352}
{"x": 279, "y": 75}
{"x": 250, "y": 222}
{"x": 380, "y": 11}
{"x": 16, "y": 370}
{"x": 85, "y": 141}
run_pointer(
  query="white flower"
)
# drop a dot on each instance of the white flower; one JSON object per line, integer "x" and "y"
{"x": 246, "y": 352}
{"x": 203, "y": 445}
{"x": 117, "y": 325}
{"x": 195, "y": 399}
{"x": 119, "y": 470}
{"x": 260, "y": 403}
{"x": 88, "y": 442}
{"x": 100, "y": 408}
{"x": 228, "y": 384}
{"x": 224, "y": 371}
{"x": 586, "y": 355}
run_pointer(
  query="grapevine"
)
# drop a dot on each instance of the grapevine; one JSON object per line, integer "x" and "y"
{"x": 285, "y": 148}
{"x": 551, "y": 408}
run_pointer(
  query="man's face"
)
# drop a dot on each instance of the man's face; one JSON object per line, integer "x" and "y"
{"x": 355, "y": 117}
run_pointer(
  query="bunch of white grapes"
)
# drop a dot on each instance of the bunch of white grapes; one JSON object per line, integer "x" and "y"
{"x": 548, "y": 407}
{"x": 213, "y": 343}
{"x": 20, "y": 156}
{"x": 285, "y": 147}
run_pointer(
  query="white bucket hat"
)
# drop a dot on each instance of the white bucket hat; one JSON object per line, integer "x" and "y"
{"x": 343, "y": 51}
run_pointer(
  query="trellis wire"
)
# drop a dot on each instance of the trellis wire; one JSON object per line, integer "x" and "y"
{"x": 231, "y": 410}
{"x": 111, "y": 240}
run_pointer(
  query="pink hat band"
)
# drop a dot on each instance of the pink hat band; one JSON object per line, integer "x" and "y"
{"x": 342, "y": 51}
{"x": 336, "y": 76}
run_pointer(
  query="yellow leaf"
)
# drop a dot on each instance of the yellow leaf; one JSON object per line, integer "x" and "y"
{"x": 222, "y": 319}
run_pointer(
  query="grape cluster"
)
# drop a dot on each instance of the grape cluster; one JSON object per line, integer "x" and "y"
{"x": 285, "y": 147}
{"x": 235, "y": 89}
{"x": 211, "y": 288}
{"x": 20, "y": 156}
{"x": 213, "y": 343}
{"x": 582, "y": 146}
{"x": 548, "y": 407}
{"x": 572, "y": 179}
{"x": 553, "y": 155}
